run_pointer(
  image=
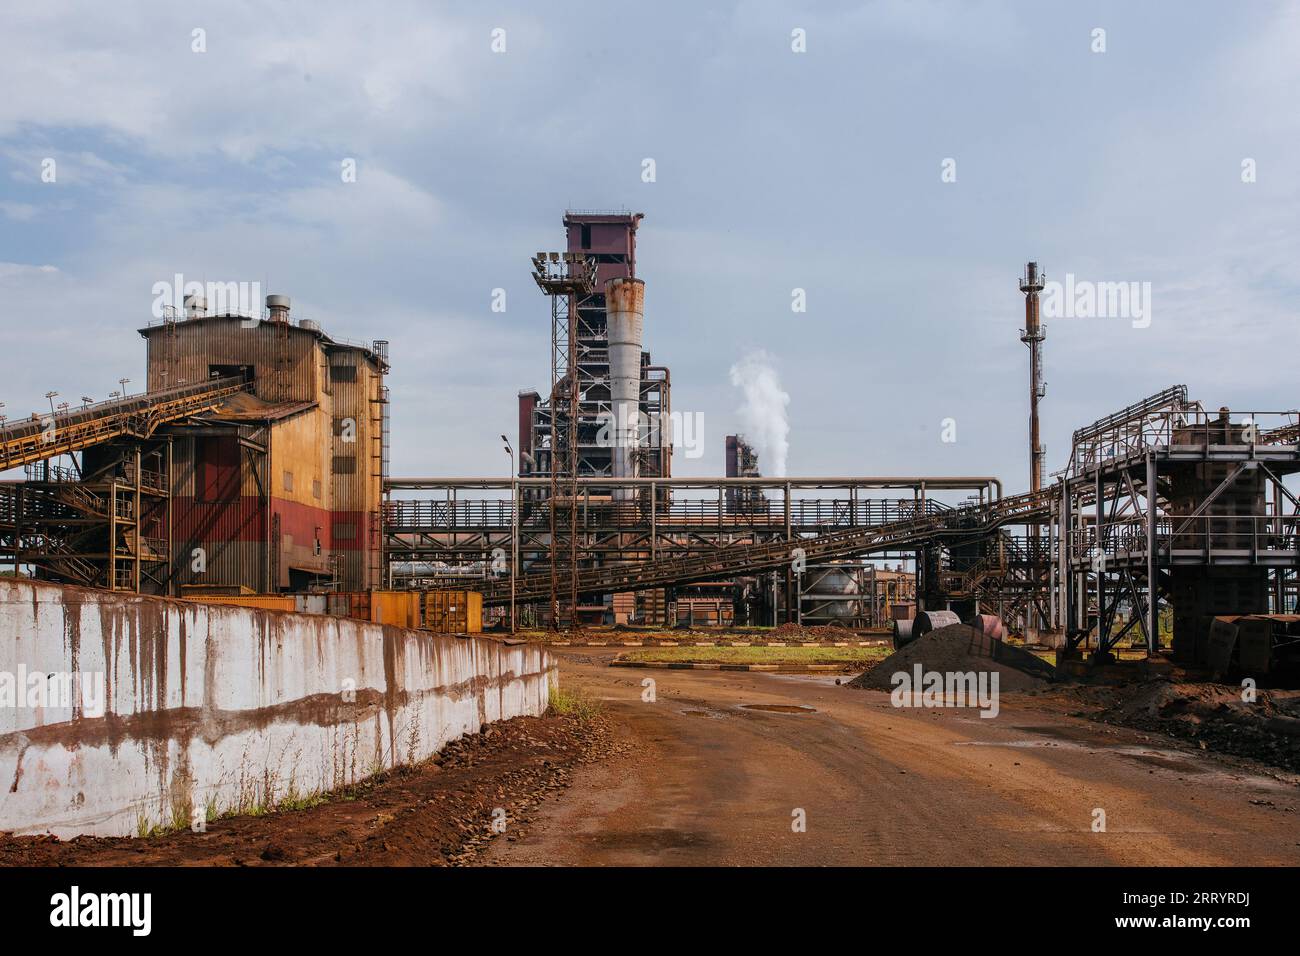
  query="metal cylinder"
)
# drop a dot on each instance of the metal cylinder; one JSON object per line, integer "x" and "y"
{"x": 928, "y": 621}
{"x": 990, "y": 624}
{"x": 278, "y": 307}
{"x": 902, "y": 632}
{"x": 835, "y": 593}
{"x": 624, "y": 313}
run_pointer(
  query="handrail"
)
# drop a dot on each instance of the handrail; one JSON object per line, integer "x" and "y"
{"x": 975, "y": 520}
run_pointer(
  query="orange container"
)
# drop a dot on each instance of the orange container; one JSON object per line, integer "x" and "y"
{"x": 453, "y": 612}
{"x": 266, "y": 602}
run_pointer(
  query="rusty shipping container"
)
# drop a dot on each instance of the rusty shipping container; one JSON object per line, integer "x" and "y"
{"x": 398, "y": 608}
{"x": 453, "y": 612}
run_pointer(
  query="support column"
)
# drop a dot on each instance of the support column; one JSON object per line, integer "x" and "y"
{"x": 1099, "y": 560}
{"x": 139, "y": 528}
{"x": 654, "y": 531}
{"x": 171, "y": 534}
{"x": 1153, "y": 586}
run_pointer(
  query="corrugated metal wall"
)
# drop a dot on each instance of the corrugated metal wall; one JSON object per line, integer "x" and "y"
{"x": 285, "y": 359}
{"x": 322, "y": 474}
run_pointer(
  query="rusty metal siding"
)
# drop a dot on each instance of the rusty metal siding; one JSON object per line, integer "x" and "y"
{"x": 288, "y": 363}
{"x": 355, "y": 464}
{"x": 231, "y": 534}
{"x": 285, "y": 359}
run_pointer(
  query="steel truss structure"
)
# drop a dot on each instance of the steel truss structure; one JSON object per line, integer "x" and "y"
{"x": 566, "y": 278}
{"x": 1160, "y": 501}
{"x": 106, "y": 520}
{"x": 108, "y": 527}
{"x": 1166, "y": 501}
{"x": 436, "y": 541}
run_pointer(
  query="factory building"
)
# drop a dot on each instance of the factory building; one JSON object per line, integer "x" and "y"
{"x": 279, "y": 488}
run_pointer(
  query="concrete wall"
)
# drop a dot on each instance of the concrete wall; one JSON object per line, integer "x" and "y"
{"x": 208, "y": 708}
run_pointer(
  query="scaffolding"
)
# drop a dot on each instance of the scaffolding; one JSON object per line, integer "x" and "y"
{"x": 1166, "y": 501}
{"x": 564, "y": 277}
{"x": 105, "y": 519}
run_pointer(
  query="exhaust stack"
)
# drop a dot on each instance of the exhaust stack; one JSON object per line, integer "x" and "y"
{"x": 278, "y": 307}
{"x": 624, "y": 311}
{"x": 1033, "y": 335}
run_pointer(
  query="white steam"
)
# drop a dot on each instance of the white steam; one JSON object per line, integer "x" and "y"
{"x": 763, "y": 416}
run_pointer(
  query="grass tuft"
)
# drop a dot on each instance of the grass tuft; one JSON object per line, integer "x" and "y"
{"x": 572, "y": 703}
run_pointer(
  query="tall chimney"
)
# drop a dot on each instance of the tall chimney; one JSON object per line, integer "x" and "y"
{"x": 624, "y": 312}
{"x": 1032, "y": 335}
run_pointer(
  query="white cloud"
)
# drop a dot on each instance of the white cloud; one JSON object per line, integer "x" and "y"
{"x": 775, "y": 171}
{"x": 313, "y": 75}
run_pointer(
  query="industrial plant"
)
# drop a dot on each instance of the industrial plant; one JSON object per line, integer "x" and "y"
{"x": 254, "y": 468}
{"x": 637, "y": 438}
{"x": 229, "y": 602}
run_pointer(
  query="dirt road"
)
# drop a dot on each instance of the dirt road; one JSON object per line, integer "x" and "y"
{"x": 711, "y": 782}
{"x": 697, "y": 778}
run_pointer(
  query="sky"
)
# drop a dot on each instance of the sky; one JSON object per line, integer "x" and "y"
{"x": 897, "y": 162}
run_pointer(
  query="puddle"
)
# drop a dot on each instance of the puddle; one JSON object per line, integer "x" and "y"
{"x": 1155, "y": 759}
{"x": 1164, "y": 759}
{"x": 654, "y": 839}
{"x": 1071, "y": 733}
{"x": 780, "y": 708}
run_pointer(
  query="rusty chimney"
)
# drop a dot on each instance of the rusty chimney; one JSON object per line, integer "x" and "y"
{"x": 1032, "y": 335}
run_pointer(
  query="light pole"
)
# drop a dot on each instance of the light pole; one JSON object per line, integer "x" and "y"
{"x": 123, "y": 382}
{"x": 514, "y": 529}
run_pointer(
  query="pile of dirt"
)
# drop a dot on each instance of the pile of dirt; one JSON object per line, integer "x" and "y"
{"x": 959, "y": 647}
{"x": 1218, "y": 716}
{"x": 436, "y": 813}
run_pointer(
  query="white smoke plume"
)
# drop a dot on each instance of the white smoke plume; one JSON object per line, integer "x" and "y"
{"x": 763, "y": 416}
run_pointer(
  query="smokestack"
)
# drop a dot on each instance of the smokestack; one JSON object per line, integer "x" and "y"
{"x": 624, "y": 312}
{"x": 1032, "y": 335}
{"x": 278, "y": 306}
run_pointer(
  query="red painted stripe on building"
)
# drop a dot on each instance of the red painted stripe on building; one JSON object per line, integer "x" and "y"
{"x": 244, "y": 520}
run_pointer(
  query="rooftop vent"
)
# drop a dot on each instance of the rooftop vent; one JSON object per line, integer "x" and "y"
{"x": 278, "y": 306}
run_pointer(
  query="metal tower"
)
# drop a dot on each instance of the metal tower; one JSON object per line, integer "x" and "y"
{"x": 564, "y": 276}
{"x": 1032, "y": 335}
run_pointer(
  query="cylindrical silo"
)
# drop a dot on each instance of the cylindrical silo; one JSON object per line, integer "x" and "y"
{"x": 624, "y": 312}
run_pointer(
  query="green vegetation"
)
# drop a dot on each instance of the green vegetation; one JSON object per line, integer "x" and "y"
{"x": 573, "y": 703}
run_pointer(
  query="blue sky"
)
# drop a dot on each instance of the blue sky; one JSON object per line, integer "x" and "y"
{"x": 775, "y": 170}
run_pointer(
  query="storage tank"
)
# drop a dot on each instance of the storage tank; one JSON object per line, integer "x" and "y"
{"x": 834, "y": 593}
